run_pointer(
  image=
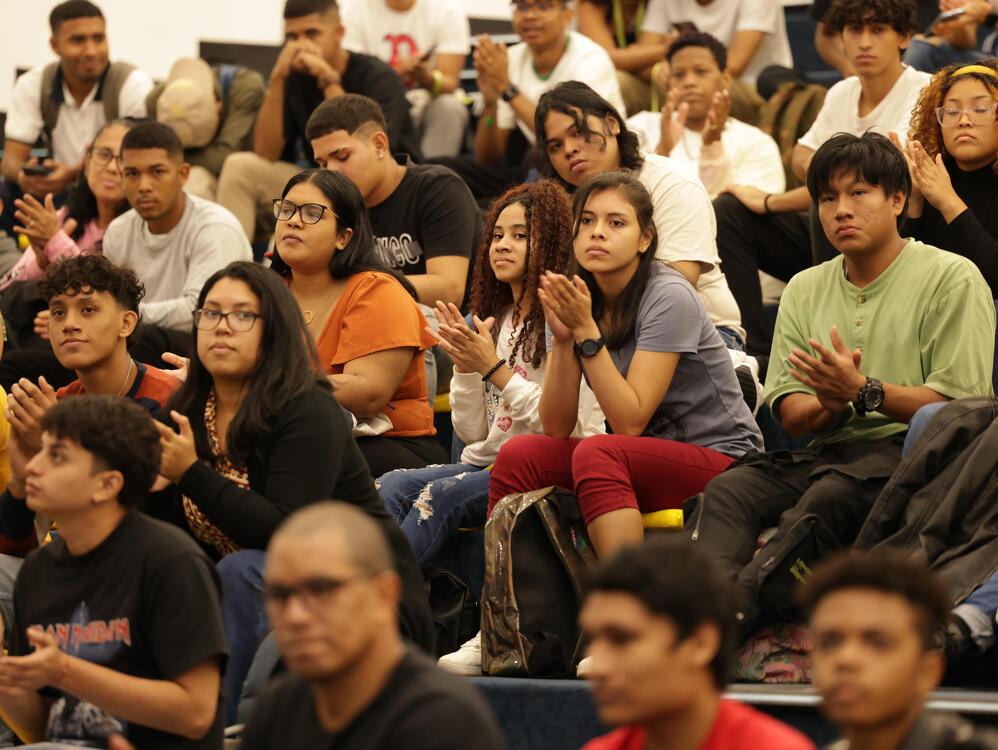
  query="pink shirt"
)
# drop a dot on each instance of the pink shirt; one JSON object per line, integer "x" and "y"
{"x": 60, "y": 246}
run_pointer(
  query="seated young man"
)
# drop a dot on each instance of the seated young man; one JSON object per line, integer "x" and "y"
{"x": 661, "y": 647}
{"x": 511, "y": 82}
{"x": 332, "y": 598}
{"x": 117, "y": 625}
{"x": 426, "y": 44}
{"x": 862, "y": 342}
{"x": 875, "y": 619}
{"x": 770, "y": 231}
{"x": 313, "y": 66}
{"x": 697, "y": 129}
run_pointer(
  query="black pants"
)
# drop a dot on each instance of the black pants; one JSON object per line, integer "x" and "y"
{"x": 782, "y": 245}
{"x": 386, "y": 454}
{"x": 837, "y": 482}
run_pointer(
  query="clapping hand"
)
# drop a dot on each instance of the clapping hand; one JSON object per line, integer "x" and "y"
{"x": 834, "y": 374}
{"x": 471, "y": 350}
{"x": 570, "y": 304}
{"x": 179, "y": 451}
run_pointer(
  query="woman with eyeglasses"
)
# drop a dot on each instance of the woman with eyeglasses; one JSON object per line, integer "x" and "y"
{"x": 952, "y": 150}
{"x": 93, "y": 202}
{"x": 258, "y": 435}
{"x": 363, "y": 316}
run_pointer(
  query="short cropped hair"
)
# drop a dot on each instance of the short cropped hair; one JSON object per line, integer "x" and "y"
{"x": 70, "y": 11}
{"x": 676, "y": 579}
{"x": 349, "y": 112}
{"x": 117, "y": 432}
{"x": 364, "y": 541}
{"x": 699, "y": 39}
{"x": 886, "y": 571}
{"x": 900, "y": 15}
{"x": 96, "y": 273}
{"x": 299, "y": 8}
{"x": 871, "y": 157}
{"x": 148, "y": 135}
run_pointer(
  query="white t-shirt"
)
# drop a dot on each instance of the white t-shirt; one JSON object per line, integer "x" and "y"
{"x": 77, "y": 124}
{"x": 582, "y": 60}
{"x": 753, "y": 156}
{"x": 840, "y": 112}
{"x": 375, "y": 29}
{"x": 687, "y": 230}
{"x": 722, "y": 19}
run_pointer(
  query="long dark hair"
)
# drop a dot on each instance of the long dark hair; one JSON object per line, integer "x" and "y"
{"x": 579, "y": 101}
{"x": 81, "y": 203}
{"x": 288, "y": 365}
{"x": 622, "y": 317}
{"x": 549, "y": 227}
{"x": 361, "y": 252}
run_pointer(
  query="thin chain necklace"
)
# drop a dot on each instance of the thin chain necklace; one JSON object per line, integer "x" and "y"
{"x": 131, "y": 364}
{"x": 308, "y": 315}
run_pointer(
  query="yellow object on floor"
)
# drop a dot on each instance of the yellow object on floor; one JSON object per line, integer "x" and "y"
{"x": 663, "y": 519}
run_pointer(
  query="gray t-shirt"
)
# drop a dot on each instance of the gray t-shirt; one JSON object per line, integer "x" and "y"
{"x": 704, "y": 404}
{"x": 174, "y": 266}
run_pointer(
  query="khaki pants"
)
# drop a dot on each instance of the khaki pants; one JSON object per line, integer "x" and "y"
{"x": 249, "y": 181}
{"x": 635, "y": 92}
{"x": 202, "y": 183}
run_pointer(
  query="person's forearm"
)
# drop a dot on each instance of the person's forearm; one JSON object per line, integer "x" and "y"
{"x": 431, "y": 287}
{"x": 830, "y": 50}
{"x": 618, "y": 400}
{"x": 800, "y": 160}
{"x": 169, "y": 313}
{"x": 26, "y": 714}
{"x": 268, "y": 135}
{"x": 797, "y": 199}
{"x": 901, "y": 402}
{"x": 742, "y": 49}
{"x": 961, "y": 36}
{"x": 489, "y": 144}
{"x": 802, "y": 414}
{"x": 524, "y": 108}
{"x": 158, "y": 704}
{"x": 359, "y": 396}
{"x": 637, "y": 58}
{"x": 559, "y": 404}
{"x": 11, "y": 165}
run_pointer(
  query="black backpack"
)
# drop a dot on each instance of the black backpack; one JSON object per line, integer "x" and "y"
{"x": 454, "y": 608}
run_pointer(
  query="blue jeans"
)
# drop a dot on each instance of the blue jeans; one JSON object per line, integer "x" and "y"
{"x": 978, "y": 611}
{"x": 431, "y": 504}
{"x": 917, "y": 423}
{"x": 929, "y": 58}
{"x": 731, "y": 338}
{"x": 243, "y": 617}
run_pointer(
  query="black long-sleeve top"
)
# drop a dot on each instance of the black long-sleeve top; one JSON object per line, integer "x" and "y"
{"x": 974, "y": 233}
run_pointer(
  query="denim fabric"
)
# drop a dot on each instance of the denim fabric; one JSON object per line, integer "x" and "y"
{"x": 243, "y": 617}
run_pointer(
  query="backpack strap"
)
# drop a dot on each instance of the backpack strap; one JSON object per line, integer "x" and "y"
{"x": 51, "y": 97}
{"x": 109, "y": 88}
{"x": 226, "y": 75}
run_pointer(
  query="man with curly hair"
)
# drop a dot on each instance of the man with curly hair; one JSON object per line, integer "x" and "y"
{"x": 772, "y": 232}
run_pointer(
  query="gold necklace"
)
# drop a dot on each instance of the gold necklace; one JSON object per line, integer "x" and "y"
{"x": 131, "y": 364}
{"x": 308, "y": 315}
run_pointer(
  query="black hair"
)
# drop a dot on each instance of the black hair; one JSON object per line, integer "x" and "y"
{"x": 70, "y": 11}
{"x": 81, "y": 203}
{"x": 887, "y": 571}
{"x": 900, "y": 15}
{"x": 675, "y": 578}
{"x": 349, "y": 112}
{"x": 299, "y": 8}
{"x": 361, "y": 252}
{"x": 618, "y": 328}
{"x": 579, "y": 101}
{"x": 150, "y": 134}
{"x": 699, "y": 39}
{"x": 288, "y": 365}
{"x": 117, "y": 432}
{"x": 96, "y": 273}
{"x": 871, "y": 157}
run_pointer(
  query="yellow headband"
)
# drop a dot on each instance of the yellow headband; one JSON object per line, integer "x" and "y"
{"x": 982, "y": 69}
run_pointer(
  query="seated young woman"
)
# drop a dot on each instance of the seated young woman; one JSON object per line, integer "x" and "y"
{"x": 498, "y": 366}
{"x": 952, "y": 150}
{"x": 636, "y": 331}
{"x": 259, "y": 434}
{"x": 94, "y": 201}
{"x": 363, "y": 316}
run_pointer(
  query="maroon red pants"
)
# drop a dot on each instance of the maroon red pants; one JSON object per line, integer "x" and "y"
{"x": 607, "y": 472}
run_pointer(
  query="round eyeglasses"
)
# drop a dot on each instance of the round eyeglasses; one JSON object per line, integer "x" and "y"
{"x": 979, "y": 114}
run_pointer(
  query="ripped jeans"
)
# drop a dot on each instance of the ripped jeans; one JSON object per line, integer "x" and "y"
{"x": 431, "y": 504}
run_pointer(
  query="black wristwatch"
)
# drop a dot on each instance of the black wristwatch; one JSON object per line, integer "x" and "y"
{"x": 510, "y": 93}
{"x": 589, "y": 347}
{"x": 870, "y": 397}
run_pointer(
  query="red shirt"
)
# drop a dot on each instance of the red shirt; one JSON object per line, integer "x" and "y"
{"x": 737, "y": 727}
{"x": 152, "y": 388}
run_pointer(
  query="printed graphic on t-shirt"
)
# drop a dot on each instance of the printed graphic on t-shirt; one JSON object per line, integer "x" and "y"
{"x": 401, "y": 251}
{"x": 403, "y": 47}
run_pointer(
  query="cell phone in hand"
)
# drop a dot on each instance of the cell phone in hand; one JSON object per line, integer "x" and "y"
{"x": 946, "y": 15}
{"x": 425, "y": 57}
{"x": 37, "y": 169}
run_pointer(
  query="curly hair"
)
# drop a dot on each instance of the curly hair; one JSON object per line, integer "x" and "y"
{"x": 900, "y": 15}
{"x": 93, "y": 273}
{"x": 924, "y": 126}
{"x": 549, "y": 231}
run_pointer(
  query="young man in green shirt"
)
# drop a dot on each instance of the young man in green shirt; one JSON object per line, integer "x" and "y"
{"x": 862, "y": 342}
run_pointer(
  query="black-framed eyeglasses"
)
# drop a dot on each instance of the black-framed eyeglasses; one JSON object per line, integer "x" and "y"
{"x": 103, "y": 156}
{"x": 542, "y": 6}
{"x": 313, "y": 592}
{"x": 310, "y": 213}
{"x": 979, "y": 114}
{"x": 237, "y": 320}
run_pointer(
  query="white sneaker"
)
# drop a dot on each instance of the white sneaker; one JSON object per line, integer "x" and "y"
{"x": 747, "y": 372}
{"x": 581, "y": 671}
{"x": 467, "y": 660}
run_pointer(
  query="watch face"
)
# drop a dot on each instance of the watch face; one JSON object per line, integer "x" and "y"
{"x": 589, "y": 347}
{"x": 873, "y": 396}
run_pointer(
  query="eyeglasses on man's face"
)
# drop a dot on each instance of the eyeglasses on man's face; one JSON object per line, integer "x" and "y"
{"x": 239, "y": 321}
{"x": 310, "y": 213}
{"x": 314, "y": 593}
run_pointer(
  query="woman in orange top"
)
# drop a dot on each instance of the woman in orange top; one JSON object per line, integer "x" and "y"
{"x": 368, "y": 328}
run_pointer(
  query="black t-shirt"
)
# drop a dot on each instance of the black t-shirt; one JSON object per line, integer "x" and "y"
{"x": 431, "y": 213}
{"x": 925, "y": 12}
{"x": 421, "y": 708}
{"x": 365, "y": 75}
{"x": 144, "y": 602}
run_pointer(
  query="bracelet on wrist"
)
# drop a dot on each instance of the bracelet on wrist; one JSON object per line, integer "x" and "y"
{"x": 765, "y": 204}
{"x": 493, "y": 370}
{"x": 438, "y": 84}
